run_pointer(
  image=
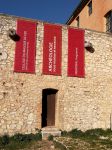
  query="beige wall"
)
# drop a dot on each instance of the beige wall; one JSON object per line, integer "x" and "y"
{"x": 82, "y": 103}
{"x": 96, "y": 21}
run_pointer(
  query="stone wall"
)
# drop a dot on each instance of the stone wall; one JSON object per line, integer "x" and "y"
{"x": 82, "y": 103}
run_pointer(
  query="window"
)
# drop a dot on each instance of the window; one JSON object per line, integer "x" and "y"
{"x": 108, "y": 17}
{"x": 90, "y": 8}
{"x": 77, "y": 19}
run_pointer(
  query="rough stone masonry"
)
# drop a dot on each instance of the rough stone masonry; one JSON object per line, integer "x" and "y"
{"x": 82, "y": 103}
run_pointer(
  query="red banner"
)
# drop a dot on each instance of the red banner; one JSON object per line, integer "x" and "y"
{"x": 76, "y": 52}
{"x": 26, "y": 47}
{"x": 52, "y": 49}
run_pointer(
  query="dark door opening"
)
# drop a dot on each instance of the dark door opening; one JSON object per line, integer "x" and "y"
{"x": 48, "y": 107}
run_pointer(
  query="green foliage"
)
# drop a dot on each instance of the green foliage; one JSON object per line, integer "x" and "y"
{"x": 4, "y": 140}
{"x": 26, "y": 137}
{"x": 98, "y": 132}
{"x": 89, "y": 134}
{"x": 18, "y": 141}
{"x": 38, "y": 136}
{"x": 50, "y": 137}
{"x": 64, "y": 133}
{"x": 75, "y": 133}
{"x": 94, "y": 137}
{"x": 108, "y": 133}
{"x": 106, "y": 142}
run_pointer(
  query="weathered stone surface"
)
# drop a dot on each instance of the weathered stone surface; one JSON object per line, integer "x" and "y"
{"x": 82, "y": 103}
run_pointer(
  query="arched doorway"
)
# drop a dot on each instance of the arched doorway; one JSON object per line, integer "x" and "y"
{"x": 48, "y": 107}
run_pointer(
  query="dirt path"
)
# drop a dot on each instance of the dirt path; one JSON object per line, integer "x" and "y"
{"x": 42, "y": 145}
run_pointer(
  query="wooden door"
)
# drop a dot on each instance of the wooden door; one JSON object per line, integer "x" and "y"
{"x": 48, "y": 107}
{"x": 51, "y": 109}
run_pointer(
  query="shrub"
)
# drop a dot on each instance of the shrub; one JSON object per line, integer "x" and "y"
{"x": 97, "y": 132}
{"x": 18, "y": 137}
{"x": 18, "y": 141}
{"x": 4, "y": 140}
{"x": 64, "y": 133}
{"x": 50, "y": 137}
{"x": 108, "y": 132}
{"x": 26, "y": 137}
{"x": 75, "y": 133}
{"x": 38, "y": 136}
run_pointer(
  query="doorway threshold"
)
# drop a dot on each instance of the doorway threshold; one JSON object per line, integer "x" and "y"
{"x": 50, "y": 130}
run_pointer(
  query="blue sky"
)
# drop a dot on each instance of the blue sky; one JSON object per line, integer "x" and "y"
{"x": 57, "y": 11}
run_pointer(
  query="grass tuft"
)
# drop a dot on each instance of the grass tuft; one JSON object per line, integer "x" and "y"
{"x": 18, "y": 141}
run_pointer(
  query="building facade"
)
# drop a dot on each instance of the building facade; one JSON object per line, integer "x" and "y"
{"x": 93, "y": 14}
{"x": 83, "y": 103}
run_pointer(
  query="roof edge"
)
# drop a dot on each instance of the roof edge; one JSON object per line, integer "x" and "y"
{"x": 64, "y": 25}
{"x": 76, "y": 11}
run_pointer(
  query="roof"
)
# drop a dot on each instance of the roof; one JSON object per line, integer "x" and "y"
{"x": 77, "y": 10}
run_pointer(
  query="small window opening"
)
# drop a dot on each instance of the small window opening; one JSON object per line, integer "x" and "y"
{"x": 90, "y": 8}
{"x": 108, "y": 17}
{"x": 77, "y": 19}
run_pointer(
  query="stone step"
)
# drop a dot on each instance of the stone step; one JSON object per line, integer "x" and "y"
{"x": 46, "y": 132}
{"x": 50, "y": 128}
